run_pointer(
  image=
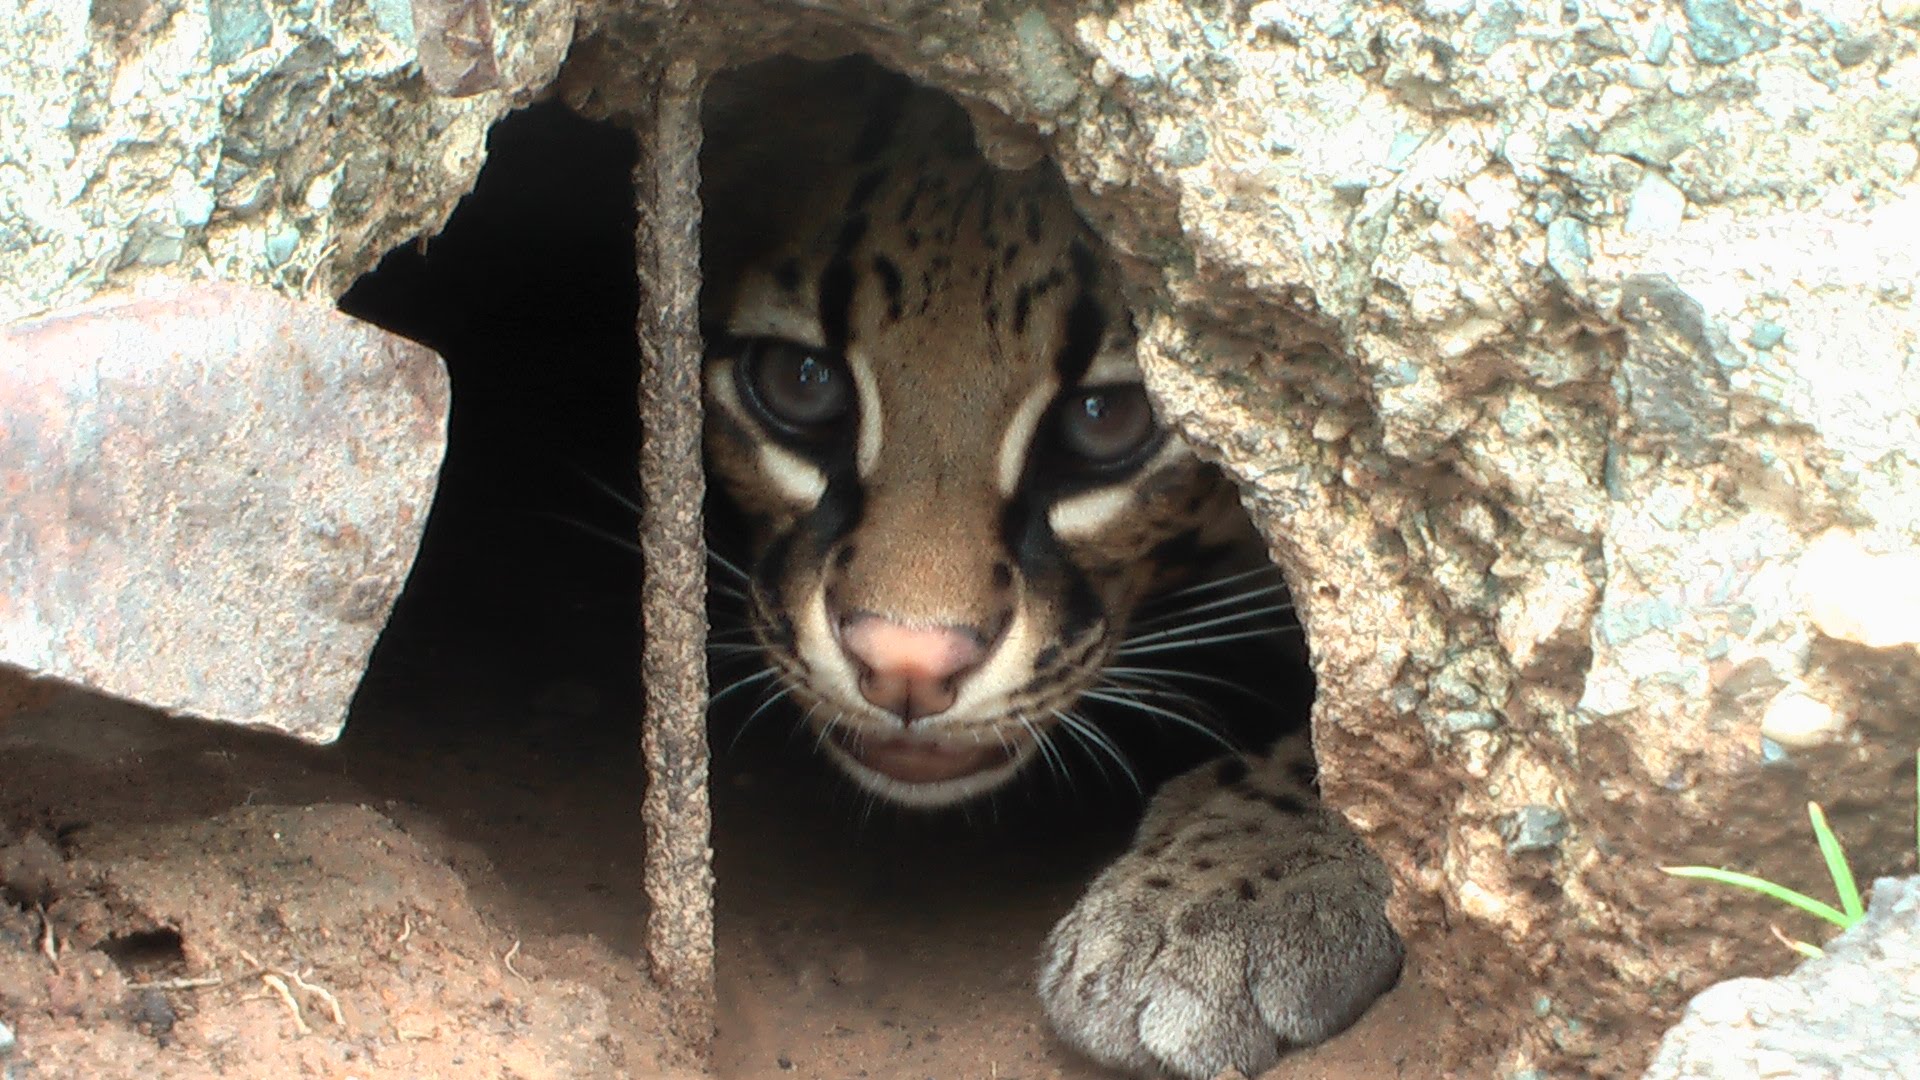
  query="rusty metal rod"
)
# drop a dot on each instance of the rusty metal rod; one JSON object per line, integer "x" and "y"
{"x": 678, "y": 818}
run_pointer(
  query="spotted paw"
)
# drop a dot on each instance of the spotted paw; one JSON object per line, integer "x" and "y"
{"x": 1245, "y": 920}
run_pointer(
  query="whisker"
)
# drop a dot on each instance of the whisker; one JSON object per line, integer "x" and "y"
{"x": 820, "y": 737}
{"x": 633, "y": 504}
{"x": 764, "y": 673}
{"x": 1167, "y": 714}
{"x": 1131, "y": 690}
{"x": 1049, "y": 753}
{"x": 1216, "y": 583}
{"x": 1213, "y": 605}
{"x": 612, "y": 492}
{"x": 1202, "y": 711}
{"x": 1218, "y": 639}
{"x": 1168, "y": 674}
{"x": 1218, "y": 620}
{"x": 632, "y": 546}
{"x": 734, "y": 743}
{"x": 724, "y": 648}
{"x": 1099, "y": 740}
{"x": 1081, "y": 743}
{"x": 1061, "y": 767}
{"x": 729, "y": 566}
{"x": 623, "y": 542}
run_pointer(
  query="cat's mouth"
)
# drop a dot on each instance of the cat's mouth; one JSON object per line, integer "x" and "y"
{"x": 922, "y": 759}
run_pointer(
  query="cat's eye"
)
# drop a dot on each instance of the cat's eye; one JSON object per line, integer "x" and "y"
{"x": 1108, "y": 427}
{"x": 802, "y": 390}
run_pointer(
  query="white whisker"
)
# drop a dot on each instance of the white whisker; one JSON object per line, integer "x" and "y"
{"x": 1214, "y": 605}
{"x": 1204, "y": 624}
{"x": 755, "y": 715}
{"x": 1098, "y": 739}
{"x": 1167, "y": 675}
{"x": 1167, "y": 714}
{"x": 1217, "y": 583}
{"x": 1218, "y": 639}
{"x": 764, "y": 673}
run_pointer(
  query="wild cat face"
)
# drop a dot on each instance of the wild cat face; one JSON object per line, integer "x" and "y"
{"x": 922, "y": 392}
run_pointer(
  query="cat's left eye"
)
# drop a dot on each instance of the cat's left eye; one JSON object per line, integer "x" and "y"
{"x": 1107, "y": 427}
{"x": 801, "y": 390}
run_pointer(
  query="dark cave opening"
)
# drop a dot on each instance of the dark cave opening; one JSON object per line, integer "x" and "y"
{"x": 503, "y": 704}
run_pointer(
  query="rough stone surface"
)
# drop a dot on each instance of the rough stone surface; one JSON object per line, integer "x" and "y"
{"x": 283, "y": 144}
{"x": 1545, "y": 339}
{"x": 1853, "y": 1014}
{"x": 214, "y": 496}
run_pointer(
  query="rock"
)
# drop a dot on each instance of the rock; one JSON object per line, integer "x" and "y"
{"x": 1853, "y": 1013}
{"x": 224, "y": 529}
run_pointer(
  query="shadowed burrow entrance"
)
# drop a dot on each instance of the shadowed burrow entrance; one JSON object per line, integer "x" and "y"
{"x": 510, "y": 664}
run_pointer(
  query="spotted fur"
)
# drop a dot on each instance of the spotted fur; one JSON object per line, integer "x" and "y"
{"x": 963, "y": 332}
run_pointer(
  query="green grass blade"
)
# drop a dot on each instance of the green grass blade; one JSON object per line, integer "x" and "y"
{"x": 1764, "y": 887}
{"x": 1837, "y": 865}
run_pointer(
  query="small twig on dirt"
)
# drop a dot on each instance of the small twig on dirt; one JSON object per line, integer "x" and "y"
{"x": 508, "y": 961}
{"x": 277, "y": 980}
{"x": 321, "y": 992}
{"x": 49, "y": 944}
{"x": 1809, "y": 951}
{"x": 197, "y": 983}
{"x": 406, "y": 930}
{"x": 279, "y": 986}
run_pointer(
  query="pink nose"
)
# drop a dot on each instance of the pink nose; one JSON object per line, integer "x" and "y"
{"x": 910, "y": 671}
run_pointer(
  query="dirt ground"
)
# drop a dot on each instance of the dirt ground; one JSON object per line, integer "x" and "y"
{"x": 444, "y": 895}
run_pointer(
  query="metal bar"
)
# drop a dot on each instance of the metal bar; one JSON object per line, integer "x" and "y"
{"x": 678, "y": 819}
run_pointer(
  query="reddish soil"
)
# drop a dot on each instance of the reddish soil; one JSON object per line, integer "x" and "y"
{"x": 470, "y": 899}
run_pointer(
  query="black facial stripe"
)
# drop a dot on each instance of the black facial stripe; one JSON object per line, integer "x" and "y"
{"x": 839, "y": 510}
{"x": 1044, "y": 564}
{"x": 770, "y": 569}
{"x": 815, "y": 533}
{"x": 1086, "y": 323}
{"x": 1025, "y": 295}
{"x": 836, "y": 286}
{"x": 836, "y": 304}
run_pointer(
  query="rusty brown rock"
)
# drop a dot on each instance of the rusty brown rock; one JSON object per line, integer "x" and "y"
{"x": 212, "y": 499}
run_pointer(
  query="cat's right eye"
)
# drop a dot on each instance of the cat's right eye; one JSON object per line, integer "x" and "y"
{"x": 797, "y": 389}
